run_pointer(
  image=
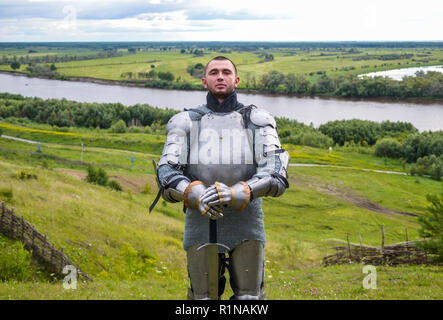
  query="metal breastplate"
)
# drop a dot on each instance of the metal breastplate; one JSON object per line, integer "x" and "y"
{"x": 221, "y": 149}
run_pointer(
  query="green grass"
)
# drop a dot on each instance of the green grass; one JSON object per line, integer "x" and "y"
{"x": 134, "y": 255}
{"x": 354, "y": 157}
{"x": 311, "y": 283}
{"x": 249, "y": 63}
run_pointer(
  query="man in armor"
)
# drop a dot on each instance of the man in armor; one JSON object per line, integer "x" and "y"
{"x": 220, "y": 159}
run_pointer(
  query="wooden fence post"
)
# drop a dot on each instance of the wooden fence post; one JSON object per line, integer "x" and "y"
{"x": 23, "y": 229}
{"x": 407, "y": 246}
{"x": 383, "y": 243}
{"x": 12, "y": 223}
{"x": 382, "y": 238}
{"x": 61, "y": 261}
{"x": 3, "y": 214}
{"x": 33, "y": 241}
{"x": 349, "y": 247}
{"x": 426, "y": 254}
{"x": 44, "y": 245}
{"x": 52, "y": 255}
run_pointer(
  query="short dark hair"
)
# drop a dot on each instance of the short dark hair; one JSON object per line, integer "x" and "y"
{"x": 221, "y": 58}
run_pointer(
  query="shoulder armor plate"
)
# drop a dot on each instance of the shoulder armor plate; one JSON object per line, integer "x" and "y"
{"x": 197, "y": 113}
{"x": 262, "y": 118}
{"x": 180, "y": 121}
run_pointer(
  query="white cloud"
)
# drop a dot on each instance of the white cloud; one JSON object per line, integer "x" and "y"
{"x": 223, "y": 20}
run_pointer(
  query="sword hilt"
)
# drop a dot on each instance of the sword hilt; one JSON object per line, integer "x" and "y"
{"x": 212, "y": 231}
{"x": 213, "y": 236}
{"x": 217, "y": 244}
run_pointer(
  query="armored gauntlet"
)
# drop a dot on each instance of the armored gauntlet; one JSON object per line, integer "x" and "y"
{"x": 236, "y": 197}
{"x": 192, "y": 200}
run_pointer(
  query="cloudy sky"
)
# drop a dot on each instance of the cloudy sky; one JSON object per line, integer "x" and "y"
{"x": 220, "y": 20}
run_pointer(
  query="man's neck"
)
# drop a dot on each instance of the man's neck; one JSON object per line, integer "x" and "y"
{"x": 222, "y": 104}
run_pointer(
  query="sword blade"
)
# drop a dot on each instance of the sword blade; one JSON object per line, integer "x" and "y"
{"x": 213, "y": 271}
{"x": 213, "y": 260}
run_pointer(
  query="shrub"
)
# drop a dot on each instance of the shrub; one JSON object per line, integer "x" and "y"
{"x": 15, "y": 65}
{"x": 115, "y": 185}
{"x": 432, "y": 227}
{"x": 432, "y": 166}
{"x": 309, "y": 138}
{"x": 196, "y": 70}
{"x": 6, "y": 194}
{"x": 97, "y": 176}
{"x": 147, "y": 189}
{"x": 388, "y": 147}
{"x": 354, "y": 130}
{"x": 15, "y": 261}
{"x": 135, "y": 130}
{"x": 134, "y": 264}
{"x": 423, "y": 144}
{"x": 118, "y": 127}
{"x": 22, "y": 175}
{"x": 166, "y": 76}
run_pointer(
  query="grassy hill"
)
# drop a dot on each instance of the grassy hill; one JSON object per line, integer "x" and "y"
{"x": 131, "y": 254}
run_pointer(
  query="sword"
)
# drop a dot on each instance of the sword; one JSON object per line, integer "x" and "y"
{"x": 160, "y": 188}
{"x": 213, "y": 259}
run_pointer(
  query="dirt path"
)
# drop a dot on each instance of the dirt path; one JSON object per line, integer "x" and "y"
{"x": 343, "y": 167}
{"x": 350, "y": 197}
{"x": 134, "y": 183}
{"x": 20, "y": 139}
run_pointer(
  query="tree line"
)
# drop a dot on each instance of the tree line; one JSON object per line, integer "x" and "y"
{"x": 422, "y": 85}
{"x": 396, "y": 140}
{"x": 428, "y": 84}
{"x": 218, "y": 45}
{"x": 65, "y": 113}
{"x": 57, "y": 58}
{"x": 400, "y": 140}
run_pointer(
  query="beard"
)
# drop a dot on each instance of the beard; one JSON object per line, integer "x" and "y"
{"x": 222, "y": 95}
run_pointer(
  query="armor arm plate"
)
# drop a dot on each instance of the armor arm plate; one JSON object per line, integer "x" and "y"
{"x": 174, "y": 157}
{"x": 272, "y": 161}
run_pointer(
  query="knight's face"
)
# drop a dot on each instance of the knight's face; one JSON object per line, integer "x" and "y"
{"x": 220, "y": 78}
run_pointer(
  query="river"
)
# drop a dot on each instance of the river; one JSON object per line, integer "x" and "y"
{"x": 424, "y": 115}
{"x": 398, "y": 74}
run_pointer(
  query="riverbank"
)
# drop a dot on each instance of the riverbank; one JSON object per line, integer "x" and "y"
{"x": 309, "y": 110}
{"x": 146, "y": 84}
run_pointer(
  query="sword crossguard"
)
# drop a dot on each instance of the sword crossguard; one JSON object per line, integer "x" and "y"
{"x": 217, "y": 244}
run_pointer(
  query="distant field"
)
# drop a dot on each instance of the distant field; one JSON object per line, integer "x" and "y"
{"x": 44, "y": 51}
{"x": 250, "y": 64}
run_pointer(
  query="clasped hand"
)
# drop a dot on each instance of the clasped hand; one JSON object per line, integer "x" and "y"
{"x": 211, "y": 200}
{"x": 217, "y": 194}
{"x": 220, "y": 195}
